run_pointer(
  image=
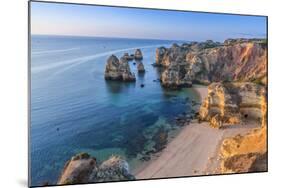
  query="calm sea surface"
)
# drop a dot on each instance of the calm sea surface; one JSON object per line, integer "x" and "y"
{"x": 73, "y": 109}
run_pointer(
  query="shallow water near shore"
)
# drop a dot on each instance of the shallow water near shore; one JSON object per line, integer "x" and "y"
{"x": 73, "y": 109}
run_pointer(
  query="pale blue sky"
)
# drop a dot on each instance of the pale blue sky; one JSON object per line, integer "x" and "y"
{"x": 84, "y": 20}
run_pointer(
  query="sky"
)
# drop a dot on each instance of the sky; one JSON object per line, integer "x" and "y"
{"x": 85, "y": 20}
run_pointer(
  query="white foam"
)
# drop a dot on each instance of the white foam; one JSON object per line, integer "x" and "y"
{"x": 46, "y": 52}
{"x": 77, "y": 61}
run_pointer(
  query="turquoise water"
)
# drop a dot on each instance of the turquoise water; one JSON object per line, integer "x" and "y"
{"x": 73, "y": 109}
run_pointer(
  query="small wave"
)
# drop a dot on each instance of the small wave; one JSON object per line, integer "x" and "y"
{"x": 45, "y": 52}
{"x": 77, "y": 61}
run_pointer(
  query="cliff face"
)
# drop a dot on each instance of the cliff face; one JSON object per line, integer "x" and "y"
{"x": 235, "y": 103}
{"x": 233, "y": 60}
{"x": 176, "y": 76}
{"x": 232, "y": 103}
{"x": 246, "y": 153}
{"x": 240, "y": 61}
{"x": 83, "y": 168}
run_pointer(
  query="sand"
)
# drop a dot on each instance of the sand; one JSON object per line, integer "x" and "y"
{"x": 194, "y": 151}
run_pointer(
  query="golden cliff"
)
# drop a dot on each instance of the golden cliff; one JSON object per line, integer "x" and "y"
{"x": 207, "y": 62}
{"x": 236, "y": 103}
{"x": 232, "y": 103}
{"x": 246, "y": 153}
{"x": 236, "y": 72}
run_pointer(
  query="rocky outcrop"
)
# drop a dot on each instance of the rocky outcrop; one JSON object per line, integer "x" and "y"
{"x": 83, "y": 168}
{"x": 175, "y": 54}
{"x": 128, "y": 57}
{"x": 160, "y": 52}
{"x": 232, "y": 103}
{"x": 249, "y": 162}
{"x": 237, "y": 61}
{"x": 246, "y": 153}
{"x": 206, "y": 62}
{"x": 140, "y": 67}
{"x": 118, "y": 70}
{"x": 113, "y": 169}
{"x": 236, "y": 104}
{"x": 78, "y": 169}
{"x": 175, "y": 76}
{"x": 138, "y": 55}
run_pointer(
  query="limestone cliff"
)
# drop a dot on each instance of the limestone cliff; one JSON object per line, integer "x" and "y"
{"x": 246, "y": 153}
{"x": 176, "y": 76}
{"x": 235, "y": 104}
{"x": 83, "y": 168}
{"x": 232, "y": 103}
{"x": 118, "y": 69}
{"x": 206, "y": 62}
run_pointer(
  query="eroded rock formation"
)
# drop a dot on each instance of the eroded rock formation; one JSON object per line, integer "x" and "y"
{"x": 83, "y": 168}
{"x": 118, "y": 69}
{"x": 140, "y": 67}
{"x": 206, "y": 62}
{"x": 160, "y": 52}
{"x": 246, "y": 153}
{"x": 176, "y": 76}
{"x": 128, "y": 57}
{"x": 232, "y": 103}
{"x": 138, "y": 54}
{"x": 78, "y": 169}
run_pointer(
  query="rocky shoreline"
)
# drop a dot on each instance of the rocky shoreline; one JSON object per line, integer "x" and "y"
{"x": 236, "y": 74}
{"x": 234, "y": 102}
{"x": 206, "y": 62}
{"x": 82, "y": 168}
{"x": 241, "y": 148}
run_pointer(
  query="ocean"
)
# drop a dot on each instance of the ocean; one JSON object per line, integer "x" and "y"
{"x": 73, "y": 109}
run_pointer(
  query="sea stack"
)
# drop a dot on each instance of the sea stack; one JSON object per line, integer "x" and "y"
{"x": 138, "y": 55}
{"x": 140, "y": 67}
{"x": 128, "y": 57}
{"x": 118, "y": 70}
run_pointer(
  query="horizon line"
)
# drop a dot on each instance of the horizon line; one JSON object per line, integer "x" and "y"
{"x": 116, "y": 37}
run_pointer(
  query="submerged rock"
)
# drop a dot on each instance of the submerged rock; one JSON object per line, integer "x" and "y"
{"x": 138, "y": 55}
{"x": 83, "y": 168}
{"x": 118, "y": 70}
{"x": 160, "y": 139}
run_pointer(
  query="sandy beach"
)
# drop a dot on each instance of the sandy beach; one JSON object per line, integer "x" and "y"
{"x": 194, "y": 151}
